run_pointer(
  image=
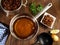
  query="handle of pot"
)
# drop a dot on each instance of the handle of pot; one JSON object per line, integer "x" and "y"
{"x": 43, "y": 11}
{"x": 24, "y": 4}
{"x": 7, "y": 14}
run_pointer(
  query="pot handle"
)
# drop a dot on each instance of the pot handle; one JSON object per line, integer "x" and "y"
{"x": 24, "y": 4}
{"x": 43, "y": 11}
{"x": 7, "y": 14}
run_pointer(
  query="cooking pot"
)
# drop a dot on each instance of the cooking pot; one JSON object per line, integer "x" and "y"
{"x": 8, "y": 12}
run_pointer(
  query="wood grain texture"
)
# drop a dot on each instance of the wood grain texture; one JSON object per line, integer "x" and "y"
{"x": 54, "y": 10}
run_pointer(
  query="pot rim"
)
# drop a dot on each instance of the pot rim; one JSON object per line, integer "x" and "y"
{"x": 18, "y": 16}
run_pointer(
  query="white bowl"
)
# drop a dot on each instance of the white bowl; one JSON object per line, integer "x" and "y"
{"x": 54, "y": 18}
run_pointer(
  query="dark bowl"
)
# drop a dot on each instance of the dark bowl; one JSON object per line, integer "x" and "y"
{"x": 45, "y": 39}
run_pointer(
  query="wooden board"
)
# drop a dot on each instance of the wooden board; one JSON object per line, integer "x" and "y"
{"x": 54, "y": 10}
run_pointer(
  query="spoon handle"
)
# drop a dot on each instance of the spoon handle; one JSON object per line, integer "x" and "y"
{"x": 44, "y": 10}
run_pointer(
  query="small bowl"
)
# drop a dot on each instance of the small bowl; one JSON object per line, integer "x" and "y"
{"x": 53, "y": 18}
{"x": 45, "y": 39}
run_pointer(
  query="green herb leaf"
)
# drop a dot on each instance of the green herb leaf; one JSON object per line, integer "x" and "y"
{"x": 39, "y": 8}
{"x": 33, "y": 8}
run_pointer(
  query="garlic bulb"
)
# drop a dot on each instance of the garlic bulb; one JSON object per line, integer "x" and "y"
{"x": 55, "y": 37}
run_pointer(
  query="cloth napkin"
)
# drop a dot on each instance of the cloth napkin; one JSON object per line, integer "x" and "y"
{"x": 3, "y": 34}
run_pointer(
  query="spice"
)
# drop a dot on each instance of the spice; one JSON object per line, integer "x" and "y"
{"x": 24, "y": 27}
{"x": 47, "y": 20}
{"x": 10, "y": 4}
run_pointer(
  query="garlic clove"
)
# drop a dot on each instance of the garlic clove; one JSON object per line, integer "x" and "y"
{"x": 54, "y": 31}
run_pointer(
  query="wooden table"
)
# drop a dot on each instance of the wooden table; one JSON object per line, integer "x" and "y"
{"x": 54, "y": 10}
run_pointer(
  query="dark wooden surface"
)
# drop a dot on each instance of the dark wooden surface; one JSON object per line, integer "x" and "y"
{"x": 54, "y": 10}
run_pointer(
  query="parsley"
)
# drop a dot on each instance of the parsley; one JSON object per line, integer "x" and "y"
{"x": 35, "y": 9}
{"x": 39, "y": 8}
